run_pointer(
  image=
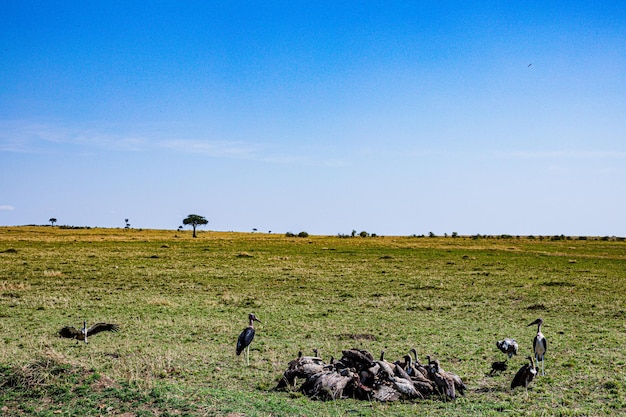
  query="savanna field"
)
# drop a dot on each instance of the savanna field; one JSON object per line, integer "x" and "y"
{"x": 181, "y": 303}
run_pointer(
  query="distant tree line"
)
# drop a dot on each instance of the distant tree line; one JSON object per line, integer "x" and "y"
{"x": 195, "y": 220}
{"x": 355, "y": 234}
{"x": 530, "y": 237}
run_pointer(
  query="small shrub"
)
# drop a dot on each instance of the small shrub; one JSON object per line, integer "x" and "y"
{"x": 301, "y": 234}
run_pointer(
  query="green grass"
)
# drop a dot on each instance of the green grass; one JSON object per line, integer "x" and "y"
{"x": 182, "y": 302}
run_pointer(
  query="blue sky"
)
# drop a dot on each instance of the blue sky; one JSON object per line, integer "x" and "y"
{"x": 396, "y": 118}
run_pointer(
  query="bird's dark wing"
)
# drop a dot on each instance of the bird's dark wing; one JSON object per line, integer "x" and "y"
{"x": 360, "y": 359}
{"x": 545, "y": 345}
{"x": 102, "y": 327}
{"x": 69, "y": 332}
{"x": 245, "y": 338}
{"x": 449, "y": 388}
{"x": 520, "y": 376}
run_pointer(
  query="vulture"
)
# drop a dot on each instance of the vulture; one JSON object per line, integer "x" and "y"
{"x": 301, "y": 367}
{"x": 525, "y": 375}
{"x": 444, "y": 384}
{"x": 507, "y": 346}
{"x": 418, "y": 366}
{"x": 435, "y": 367}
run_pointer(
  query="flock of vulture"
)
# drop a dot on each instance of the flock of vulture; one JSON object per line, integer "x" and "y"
{"x": 359, "y": 375}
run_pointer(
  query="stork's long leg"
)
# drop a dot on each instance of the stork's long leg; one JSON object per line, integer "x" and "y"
{"x": 537, "y": 362}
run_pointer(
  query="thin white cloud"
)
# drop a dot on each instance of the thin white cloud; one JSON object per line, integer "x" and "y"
{"x": 561, "y": 154}
{"x": 24, "y": 137}
{"x": 6, "y": 207}
{"x": 211, "y": 148}
{"x": 17, "y": 136}
{"x": 248, "y": 151}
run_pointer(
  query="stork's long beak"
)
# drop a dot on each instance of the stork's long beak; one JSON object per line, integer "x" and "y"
{"x": 533, "y": 323}
{"x": 255, "y": 319}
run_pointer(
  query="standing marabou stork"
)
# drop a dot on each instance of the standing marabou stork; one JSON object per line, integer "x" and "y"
{"x": 540, "y": 344}
{"x": 245, "y": 338}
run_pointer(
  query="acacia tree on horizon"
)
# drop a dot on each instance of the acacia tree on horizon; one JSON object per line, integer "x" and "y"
{"x": 52, "y": 221}
{"x": 195, "y": 220}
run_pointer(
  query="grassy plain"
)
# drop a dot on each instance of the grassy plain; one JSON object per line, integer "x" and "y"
{"x": 181, "y": 302}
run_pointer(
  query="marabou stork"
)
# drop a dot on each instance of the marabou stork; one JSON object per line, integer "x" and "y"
{"x": 245, "y": 338}
{"x": 71, "y": 332}
{"x": 540, "y": 344}
{"x": 507, "y": 346}
{"x": 525, "y": 375}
